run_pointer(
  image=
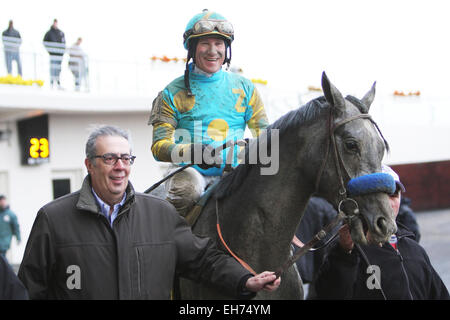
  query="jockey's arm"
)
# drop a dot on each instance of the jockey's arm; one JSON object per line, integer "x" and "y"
{"x": 164, "y": 142}
{"x": 164, "y": 123}
{"x": 258, "y": 120}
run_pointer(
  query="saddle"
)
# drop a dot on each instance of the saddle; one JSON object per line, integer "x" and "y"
{"x": 194, "y": 212}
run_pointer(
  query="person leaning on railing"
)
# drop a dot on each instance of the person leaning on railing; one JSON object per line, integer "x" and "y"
{"x": 55, "y": 43}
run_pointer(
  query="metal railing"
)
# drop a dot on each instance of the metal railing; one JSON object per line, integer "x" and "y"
{"x": 136, "y": 76}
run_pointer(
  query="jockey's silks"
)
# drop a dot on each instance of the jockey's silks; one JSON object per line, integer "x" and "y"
{"x": 222, "y": 106}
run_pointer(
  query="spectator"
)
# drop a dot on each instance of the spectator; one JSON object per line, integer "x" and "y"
{"x": 107, "y": 241}
{"x": 77, "y": 63}
{"x": 318, "y": 213}
{"x": 9, "y": 226}
{"x": 11, "y": 44}
{"x": 55, "y": 43}
{"x": 399, "y": 269}
{"x": 10, "y": 286}
{"x": 407, "y": 217}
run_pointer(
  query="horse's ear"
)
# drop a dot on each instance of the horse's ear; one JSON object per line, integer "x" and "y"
{"x": 369, "y": 97}
{"x": 332, "y": 94}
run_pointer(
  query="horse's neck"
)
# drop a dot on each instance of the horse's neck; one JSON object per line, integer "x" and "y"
{"x": 284, "y": 196}
{"x": 267, "y": 210}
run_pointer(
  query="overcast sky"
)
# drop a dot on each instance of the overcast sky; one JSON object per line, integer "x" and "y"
{"x": 403, "y": 45}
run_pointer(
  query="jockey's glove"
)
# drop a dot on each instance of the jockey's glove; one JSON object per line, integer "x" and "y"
{"x": 204, "y": 156}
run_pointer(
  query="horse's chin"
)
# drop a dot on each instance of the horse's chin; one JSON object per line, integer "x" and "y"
{"x": 357, "y": 232}
{"x": 360, "y": 235}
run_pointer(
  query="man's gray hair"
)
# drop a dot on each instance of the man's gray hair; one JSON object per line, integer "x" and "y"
{"x": 107, "y": 130}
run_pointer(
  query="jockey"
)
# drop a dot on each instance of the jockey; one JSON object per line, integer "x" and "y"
{"x": 212, "y": 106}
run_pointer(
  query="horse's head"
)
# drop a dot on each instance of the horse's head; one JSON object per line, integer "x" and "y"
{"x": 354, "y": 147}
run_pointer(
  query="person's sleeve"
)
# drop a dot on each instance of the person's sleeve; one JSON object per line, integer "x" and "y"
{"x": 407, "y": 217}
{"x": 199, "y": 260}
{"x": 164, "y": 121}
{"x": 438, "y": 290}
{"x": 10, "y": 286}
{"x": 258, "y": 118}
{"x": 338, "y": 274}
{"x": 38, "y": 260}
{"x": 15, "y": 227}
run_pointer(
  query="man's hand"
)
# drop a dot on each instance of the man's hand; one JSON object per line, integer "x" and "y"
{"x": 263, "y": 281}
{"x": 345, "y": 239}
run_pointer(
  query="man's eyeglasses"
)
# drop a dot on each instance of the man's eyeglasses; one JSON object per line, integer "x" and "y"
{"x": 112, "y": 158}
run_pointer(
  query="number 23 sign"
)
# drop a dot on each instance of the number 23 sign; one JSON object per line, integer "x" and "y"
{"x": 39, "y": 148}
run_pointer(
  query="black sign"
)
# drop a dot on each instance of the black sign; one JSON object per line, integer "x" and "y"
{"x": 33, "y": 140}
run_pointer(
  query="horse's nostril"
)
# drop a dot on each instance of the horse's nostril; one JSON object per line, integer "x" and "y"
{"x": 381, "y": 225}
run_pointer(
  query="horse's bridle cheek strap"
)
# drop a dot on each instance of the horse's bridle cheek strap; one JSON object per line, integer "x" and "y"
{"x": 337, "y": 156}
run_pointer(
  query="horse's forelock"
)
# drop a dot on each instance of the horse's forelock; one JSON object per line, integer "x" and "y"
{"x": 357, "y": 103}
{"x": 365, "y": 109}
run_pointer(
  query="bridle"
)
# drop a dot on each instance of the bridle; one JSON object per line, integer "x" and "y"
{"x": 343, "y": 198}
{"x": 343, "y": 176}
{"x": 331, "y": 144}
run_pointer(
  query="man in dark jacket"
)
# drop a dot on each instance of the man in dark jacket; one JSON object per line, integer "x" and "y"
{"x": 55, "y": 43}
{"x": 10, "y": 286}
{"x": 11, "y": 43}
{"x": 407, "y": 217}
{"x": 318, "y": 213}
{"x": 107, "y": 241}
{"x": 399, "y": 269}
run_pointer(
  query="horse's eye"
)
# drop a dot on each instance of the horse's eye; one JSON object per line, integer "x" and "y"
{"x": 351, "y": 145}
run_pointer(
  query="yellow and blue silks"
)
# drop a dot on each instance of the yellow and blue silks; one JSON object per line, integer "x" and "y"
{"x": 221, "y": 108}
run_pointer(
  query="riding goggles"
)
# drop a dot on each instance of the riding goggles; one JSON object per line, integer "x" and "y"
{"x": 209, "y": 26}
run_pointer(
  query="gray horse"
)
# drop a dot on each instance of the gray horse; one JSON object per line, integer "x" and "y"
{"x": 259, "y": 214}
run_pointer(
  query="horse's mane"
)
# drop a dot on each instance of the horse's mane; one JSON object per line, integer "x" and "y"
{"x": 293, "y": 119}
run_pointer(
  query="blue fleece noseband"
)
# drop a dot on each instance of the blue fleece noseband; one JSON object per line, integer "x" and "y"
{"x": 371, "y": 183}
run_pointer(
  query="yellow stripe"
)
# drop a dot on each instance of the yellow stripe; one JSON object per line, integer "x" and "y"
{"x": 164, "y": 124}
{"x": 167, "y": 109}
{"x": 162, "y": 150}
{"x": 253, "y": 98}
{"x": 207, "y": 15}
{"x": 256, "y": 112}
{"x": 163, "y": 141}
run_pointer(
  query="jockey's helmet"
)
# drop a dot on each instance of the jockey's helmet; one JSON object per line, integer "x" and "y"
{"x": 208, "y": 23}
